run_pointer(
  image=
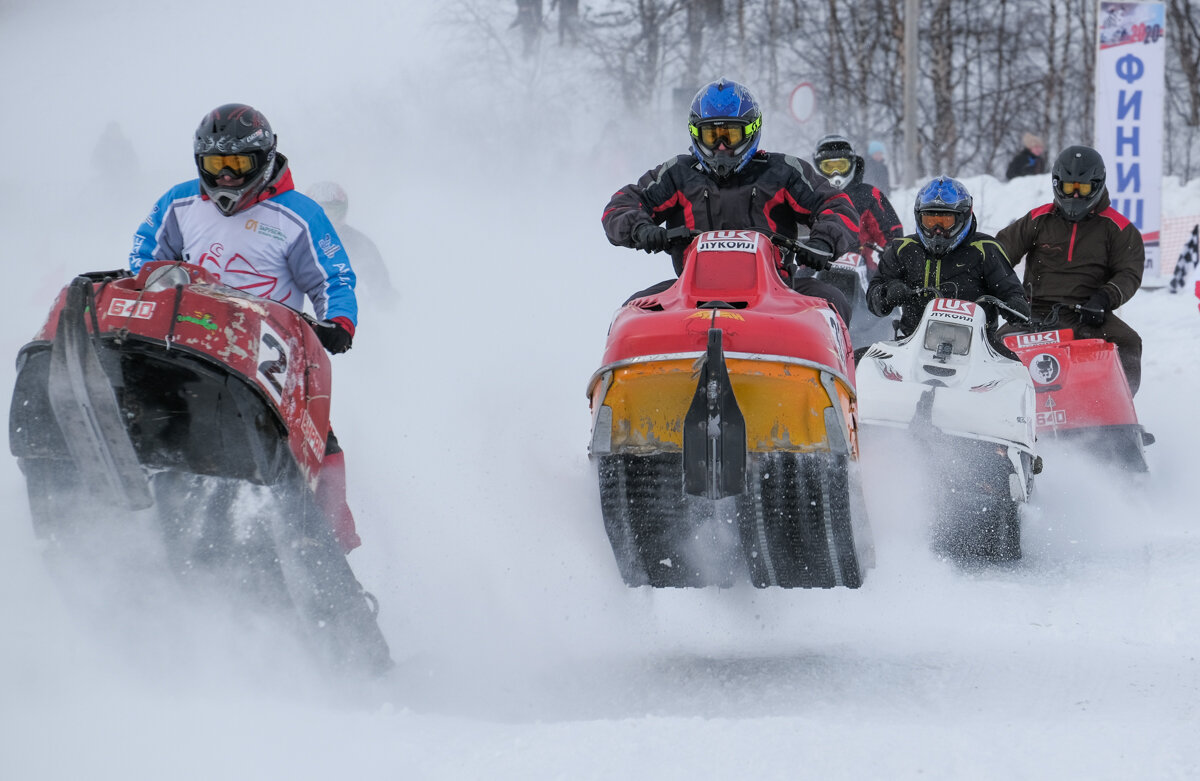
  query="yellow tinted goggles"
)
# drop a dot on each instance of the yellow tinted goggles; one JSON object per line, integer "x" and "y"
{"x": 1070, "y": 188}
{"x": 835, "y": 165}
{"x": 239, "y": 164}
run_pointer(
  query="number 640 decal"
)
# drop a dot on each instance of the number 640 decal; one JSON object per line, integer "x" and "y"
{"x": 272, "y": 361}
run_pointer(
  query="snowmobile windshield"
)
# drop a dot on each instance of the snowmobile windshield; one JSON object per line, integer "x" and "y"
{"x": 957, "y": 336}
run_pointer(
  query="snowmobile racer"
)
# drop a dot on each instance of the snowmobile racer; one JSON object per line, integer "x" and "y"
{"x": 242, "y": 220}
{"x": 726, "y": 182}
{"x": 878, "y": 223}
{"x": 1083, "y": 258}
{"x": 948, "y": 254}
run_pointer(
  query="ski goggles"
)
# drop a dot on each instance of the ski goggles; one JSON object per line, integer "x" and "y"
{"x": 1070, "y": 188}
{"x": 731, "y": 133}
{"x": 834, "y": 166}
{"x": 935, "y": 220}
{"x": 239, "y": 164}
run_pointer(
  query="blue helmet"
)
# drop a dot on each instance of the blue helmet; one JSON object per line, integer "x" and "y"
{"x": 944, "y": 214}
{"x": 725, "y": 122}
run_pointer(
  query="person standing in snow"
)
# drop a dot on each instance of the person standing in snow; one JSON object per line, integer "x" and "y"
{"x": 948, "y": 253}
{"x": 242, "y": 220}
{"x": 875, "y": 168}
{"x": 727, "y": 183}
{"x": 878, "y": 222}
{"x": 1083, "y": 258}
{"x": 1029, "y": 161}
{"x": 374, "y": 282}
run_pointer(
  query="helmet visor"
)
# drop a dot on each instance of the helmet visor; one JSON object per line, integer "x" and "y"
{"x": 1070, "y": 188}
{"x": 943, "y": 221}
{"x": 240, "y": 165}
{"x": 729, "y": 133}
{"x": 835, "y": 166}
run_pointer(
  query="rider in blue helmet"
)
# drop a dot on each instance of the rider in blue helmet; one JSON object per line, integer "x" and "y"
{"x": 726, "y": 182}
{"x": 947, "y": 256}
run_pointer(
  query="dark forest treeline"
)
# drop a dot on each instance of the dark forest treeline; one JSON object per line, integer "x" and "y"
{"x": 989, "y": 70}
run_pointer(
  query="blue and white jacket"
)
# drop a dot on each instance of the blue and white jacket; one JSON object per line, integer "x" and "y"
{"x": 282, "y": 247}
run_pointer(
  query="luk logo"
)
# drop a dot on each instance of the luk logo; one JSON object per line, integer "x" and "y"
{"x": 126, "y": 307}
{"x": 1044, "y": 368}
{"x": 1038, "y": 339}
{"x": 728, "y": 241}
{"x": 954, "y": 306}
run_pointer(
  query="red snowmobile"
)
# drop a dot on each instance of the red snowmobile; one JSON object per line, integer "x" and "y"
{"x": 1082, "y": 395}
{"x": 724, "y": 427}
{"x": 171, "y": 396}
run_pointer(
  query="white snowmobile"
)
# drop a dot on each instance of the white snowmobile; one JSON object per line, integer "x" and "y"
{"x": 970, "y": 408}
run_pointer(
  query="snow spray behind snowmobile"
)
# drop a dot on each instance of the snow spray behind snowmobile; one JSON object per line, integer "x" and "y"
{"x": 171, "y": 394}
{"x": 1083, "y": 397}
{"x": 970, "y": 410}
{"x": 724, "y": 428}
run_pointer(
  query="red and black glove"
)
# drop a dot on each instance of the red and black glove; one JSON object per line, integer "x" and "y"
{"x": 336, "y": 335}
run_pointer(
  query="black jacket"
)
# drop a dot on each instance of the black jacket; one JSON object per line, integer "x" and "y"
{"x": 773, "y": 192}
{"x": 975, "y": 268}
{"x": 1025, "y": 163}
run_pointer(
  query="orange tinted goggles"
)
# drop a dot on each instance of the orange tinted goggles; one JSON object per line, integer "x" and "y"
{"x": 932, "y": 220}
{"x": 239, "y": 164}
{"x": 1070, "y": 188}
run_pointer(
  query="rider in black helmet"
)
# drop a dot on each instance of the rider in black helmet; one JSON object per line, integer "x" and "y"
{"x": 1082, "y": 253}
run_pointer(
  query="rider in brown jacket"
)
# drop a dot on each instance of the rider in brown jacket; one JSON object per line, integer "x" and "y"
{"x": 1081, "y": 253}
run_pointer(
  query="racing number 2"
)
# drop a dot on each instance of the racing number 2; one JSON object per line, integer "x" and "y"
{"x": 273, "y": 361}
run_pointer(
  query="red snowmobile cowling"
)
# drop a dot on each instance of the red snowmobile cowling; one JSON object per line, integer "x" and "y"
{"x": 1082, "y": 393}
{"x": 171, "y": 306}
{"x": 761, "y": 315}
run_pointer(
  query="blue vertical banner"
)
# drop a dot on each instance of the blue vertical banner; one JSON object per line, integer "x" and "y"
{"x": 1130, "y": 87}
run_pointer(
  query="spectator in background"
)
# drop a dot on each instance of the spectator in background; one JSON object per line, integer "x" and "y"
{"x": 374, "y": 282}
{"x": 875, "y": 168}
{"x": 1030, "y": 160}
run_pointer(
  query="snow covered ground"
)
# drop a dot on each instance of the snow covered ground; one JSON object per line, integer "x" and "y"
{"x": 462, "y": 411}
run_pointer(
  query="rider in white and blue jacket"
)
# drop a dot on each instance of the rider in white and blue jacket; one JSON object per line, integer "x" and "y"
{"x": 243, "y": 220}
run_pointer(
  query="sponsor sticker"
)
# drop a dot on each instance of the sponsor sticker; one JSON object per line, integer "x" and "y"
{"x": 1038, "y": 339}
{"x": 728, "y": 241}
{"x": 954, "y": 306}
{"x": 312, "y": 437}
{"x": 128, "y": 307}
{"x": 1044, "y": 369}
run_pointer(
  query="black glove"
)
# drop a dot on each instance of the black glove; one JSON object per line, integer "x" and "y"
{"x": 650, "y": 237}
{"x": 821, "y": 255}
{"x": 896, "y": 293}
{"x": 1095, "y": 311}
{"x": 334, "y": 335}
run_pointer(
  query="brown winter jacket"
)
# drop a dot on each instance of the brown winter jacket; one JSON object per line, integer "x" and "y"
{"x": 1069, "y": 261}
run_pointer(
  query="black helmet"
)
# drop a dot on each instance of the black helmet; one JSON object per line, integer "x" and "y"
{"x": 944, "y": 211}
{"x": 1078, "y": 177}
{"x": 234, "y": 140}
{"x": 836, "y": 161}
